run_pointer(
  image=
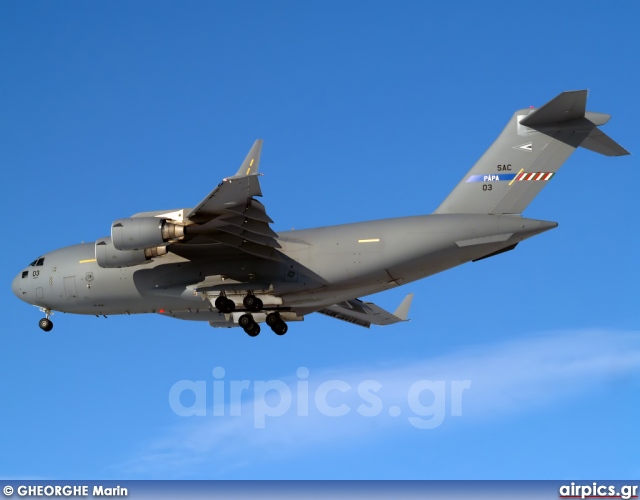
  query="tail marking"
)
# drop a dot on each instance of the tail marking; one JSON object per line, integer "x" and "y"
{"x": 520, "y": 176}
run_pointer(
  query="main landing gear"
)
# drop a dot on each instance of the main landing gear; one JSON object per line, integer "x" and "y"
{"x": 45, "y": 323}
{"x": 225, "y": 305}
{"x": 277, "y": 325}
{"x": 252, "y": 328}
{"x": 247, "y": 322}
{"x": 252, "y": 304}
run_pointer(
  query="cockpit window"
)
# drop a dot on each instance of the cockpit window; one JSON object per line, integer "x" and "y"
{"x": 40, "y": 261}
{"x": 33, "y": 263}
{"x": 25, "y": 274}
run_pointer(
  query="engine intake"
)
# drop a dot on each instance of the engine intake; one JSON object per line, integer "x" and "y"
{"x": 108, "y": 256}
{"x": 139, "y": 233}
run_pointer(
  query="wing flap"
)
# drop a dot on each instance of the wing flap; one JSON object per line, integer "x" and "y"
{"x": 241, "y": 243}
{"x": 231, "y": 216}
{"x": 252, "y": 212}
{"x": 252, "y": 237}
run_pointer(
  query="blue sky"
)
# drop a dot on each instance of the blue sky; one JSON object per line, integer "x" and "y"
{"x": 108, "y": 109}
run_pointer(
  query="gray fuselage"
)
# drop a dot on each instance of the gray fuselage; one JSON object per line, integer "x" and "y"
{"x": 315, "y": 267}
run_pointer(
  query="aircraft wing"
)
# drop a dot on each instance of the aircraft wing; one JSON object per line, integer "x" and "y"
{"x": 367, "y": 313}
{"x": 231, "y": 215}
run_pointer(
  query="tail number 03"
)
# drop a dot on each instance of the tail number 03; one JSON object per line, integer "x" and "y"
{"x": 487, "y": 187}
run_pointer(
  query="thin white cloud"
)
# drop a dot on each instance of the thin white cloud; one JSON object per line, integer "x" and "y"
{"x": 503, "y": 379}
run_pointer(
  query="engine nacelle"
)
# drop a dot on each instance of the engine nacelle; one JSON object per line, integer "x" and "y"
{"x": 139, "y": 233}
{"x": 108, "y": 256}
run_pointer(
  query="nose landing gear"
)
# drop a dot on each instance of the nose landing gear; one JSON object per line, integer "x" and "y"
{"x": 45, "y": 323}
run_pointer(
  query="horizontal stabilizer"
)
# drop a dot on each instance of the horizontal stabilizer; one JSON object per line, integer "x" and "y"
{"x": 497, "y": 252}
{"x": 567, "y": 106}
{"x": 599, "y": 142}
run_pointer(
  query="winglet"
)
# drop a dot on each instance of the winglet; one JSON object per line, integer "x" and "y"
{"x": 402, "y": 311}
{"x": 252, "y": 161}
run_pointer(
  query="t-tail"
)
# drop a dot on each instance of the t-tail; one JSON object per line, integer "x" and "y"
{"x": 527, "y": 154}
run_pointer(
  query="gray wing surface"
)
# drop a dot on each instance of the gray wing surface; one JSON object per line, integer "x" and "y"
{"x": 367, "y": 313}
{"x": 232, "y": 192}
{"x": 229, "y": 215}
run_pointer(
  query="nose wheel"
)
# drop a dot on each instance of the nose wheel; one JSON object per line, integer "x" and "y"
{"x": 45, "y": 323}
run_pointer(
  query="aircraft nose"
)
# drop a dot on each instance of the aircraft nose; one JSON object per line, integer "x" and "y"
{"x": 17, "y": 290}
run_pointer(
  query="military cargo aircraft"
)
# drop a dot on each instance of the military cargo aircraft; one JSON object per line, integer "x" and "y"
{"x": 221, "y": 261}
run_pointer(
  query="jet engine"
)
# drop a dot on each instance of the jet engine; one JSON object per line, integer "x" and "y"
{"x": 108, "y": 256}
{"x": 139, "y": 233}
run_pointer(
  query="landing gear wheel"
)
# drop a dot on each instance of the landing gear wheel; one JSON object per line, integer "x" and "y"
{"x": 45, "y": 324}
{"x": 224, "y": 305}
{"x": 252, "y": 330}
{"x": 252, "y": 303}
{"x": 273, "y": 319}
{"x": 220, "y": 303}
{"x": 245, "y": 321}
{"x": 229, "y": 306}
{"x": 280, "y": 328}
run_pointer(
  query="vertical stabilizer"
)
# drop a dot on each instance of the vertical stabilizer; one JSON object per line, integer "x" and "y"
{"x": 529, "y": 151}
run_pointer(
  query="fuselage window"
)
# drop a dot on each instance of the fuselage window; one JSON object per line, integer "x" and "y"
{"x": 25, "y": 274}
{"x": 40, "y": 261}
